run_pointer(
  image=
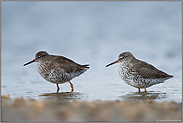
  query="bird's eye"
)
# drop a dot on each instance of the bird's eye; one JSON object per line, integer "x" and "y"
{"x": 39, "y": 56}
{"x": 122, "y": 57}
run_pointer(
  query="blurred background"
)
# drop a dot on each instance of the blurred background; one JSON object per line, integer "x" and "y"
{"x": 94, "y": 33}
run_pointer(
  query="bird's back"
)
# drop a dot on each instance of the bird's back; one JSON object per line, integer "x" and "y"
{"x": 68, "y": 65}
{"x": 149, "y": 71}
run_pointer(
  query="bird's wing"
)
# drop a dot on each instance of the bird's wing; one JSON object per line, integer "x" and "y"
{"x": 149, "y": 71}
{"x": 68, "y": 65}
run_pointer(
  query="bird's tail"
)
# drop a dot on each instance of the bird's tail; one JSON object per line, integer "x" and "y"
{"x": 86, "y": 66}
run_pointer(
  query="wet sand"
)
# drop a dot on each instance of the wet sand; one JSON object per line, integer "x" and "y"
{"x": 72, "y": 110}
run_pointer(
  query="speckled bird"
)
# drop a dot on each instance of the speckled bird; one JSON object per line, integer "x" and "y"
{"x": 137, "y": 73}
{"x": 57, "y": 69}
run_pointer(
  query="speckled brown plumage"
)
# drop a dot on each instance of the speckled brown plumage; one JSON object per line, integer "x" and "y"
{"x": 138, "y": 73}
{"x": 57, "y": 69}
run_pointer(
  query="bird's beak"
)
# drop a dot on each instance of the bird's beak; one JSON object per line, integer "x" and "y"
{"x": 30, "y": 62}
{"x": 112, "y": 63}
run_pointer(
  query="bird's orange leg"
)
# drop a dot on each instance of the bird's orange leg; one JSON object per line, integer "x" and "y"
{"x": 58, "y": 88}
{"x": 145, "y": 89}
{"x": 139, "y": 89}
{"x": 71, "y": 86}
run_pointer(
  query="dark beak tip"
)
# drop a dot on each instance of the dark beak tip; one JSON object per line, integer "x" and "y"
{"x": 112, "y": 63}
{"x": 108, "y": 65}
{"x": 29, "y": 62}
{"x": 25, "y": 64}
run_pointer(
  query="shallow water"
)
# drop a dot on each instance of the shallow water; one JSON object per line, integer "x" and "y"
{"x": 92, "y": 33}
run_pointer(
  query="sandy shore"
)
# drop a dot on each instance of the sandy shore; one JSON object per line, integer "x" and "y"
{"x": 72, "y": 110}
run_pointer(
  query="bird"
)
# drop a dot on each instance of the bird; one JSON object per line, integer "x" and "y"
{"x": 137, "y": 73}
{"x": 57, "y": 69}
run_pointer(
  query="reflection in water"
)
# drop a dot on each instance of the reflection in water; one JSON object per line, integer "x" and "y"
{"x": 62, "y": 96}
{"x": 139, "y": 96}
